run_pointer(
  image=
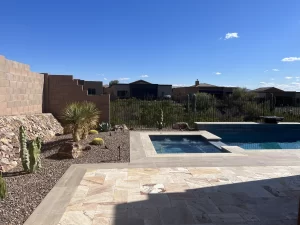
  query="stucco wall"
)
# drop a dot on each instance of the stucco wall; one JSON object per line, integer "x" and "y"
{"x": 21, "y": 90}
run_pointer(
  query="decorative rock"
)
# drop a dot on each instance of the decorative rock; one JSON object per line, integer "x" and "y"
{"x": 181, "y": 126}
{"x": 42, "y": 125}
{"x": 5, "y": 161}
{"x": 152, "y": 189}
{"x": 125, "y": 128}
{"x": 122, "y": 127}
{"x": 4, "y": 148}
{"x": 70, "y": 150}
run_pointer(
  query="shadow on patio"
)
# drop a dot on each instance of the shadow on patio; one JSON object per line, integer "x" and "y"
{"x": 260, "y": 202}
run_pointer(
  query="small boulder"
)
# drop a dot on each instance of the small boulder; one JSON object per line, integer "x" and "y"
{"x": 125, "y": 128}
{"x": 71, "y": 150}
{"x": 181, "y": 126}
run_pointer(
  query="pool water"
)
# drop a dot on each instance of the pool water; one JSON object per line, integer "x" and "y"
{"x": 168, "y": 144}
{"x": 264, "y": 139}
{"x": 265, "y": 145}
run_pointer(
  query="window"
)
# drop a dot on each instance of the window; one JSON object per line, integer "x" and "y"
{"x": 122, "y": 93}
{"x": 91, "y": 91}
{"x": 298, "y": 100}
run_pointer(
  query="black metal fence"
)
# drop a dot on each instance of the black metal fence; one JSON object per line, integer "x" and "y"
{"x": 145, "y": 113}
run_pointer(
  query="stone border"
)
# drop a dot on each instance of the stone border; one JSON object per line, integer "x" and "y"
{"x": 53, "y": 206}
{"x": 150, "y": 151}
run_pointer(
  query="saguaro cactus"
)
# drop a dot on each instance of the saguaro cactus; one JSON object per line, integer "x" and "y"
{"x": 24, "y": 154}
{"x": 3, "y": 190}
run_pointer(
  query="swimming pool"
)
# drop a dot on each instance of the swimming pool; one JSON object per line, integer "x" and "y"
{"x": 166, "y": 144}
{"x": 250, "y": 139}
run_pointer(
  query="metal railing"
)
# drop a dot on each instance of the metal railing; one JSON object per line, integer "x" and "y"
{"x": 144, "y": 114}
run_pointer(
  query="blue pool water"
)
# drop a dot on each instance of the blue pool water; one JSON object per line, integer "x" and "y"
{"x": 262, "y": 139}
{"x": 166, "y": 144}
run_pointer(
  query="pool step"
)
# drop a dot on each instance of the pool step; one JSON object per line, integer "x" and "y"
{"x": 233, "y": 149}
{"x": 209, "y": 136}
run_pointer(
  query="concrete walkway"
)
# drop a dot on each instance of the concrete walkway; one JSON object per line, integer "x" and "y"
{"x": 254, "y": 188}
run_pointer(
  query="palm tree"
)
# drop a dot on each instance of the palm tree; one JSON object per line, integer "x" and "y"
{"x": 80, "y": 117}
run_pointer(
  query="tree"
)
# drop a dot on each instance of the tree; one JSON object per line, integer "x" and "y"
{"x": 113, "y": 82}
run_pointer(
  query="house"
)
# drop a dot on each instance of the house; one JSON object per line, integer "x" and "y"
{"x": 93, "y": 87}
{"x": 139, "y": 89}
{"x": 283, "y": 98}
{"x": 180, "y": 93}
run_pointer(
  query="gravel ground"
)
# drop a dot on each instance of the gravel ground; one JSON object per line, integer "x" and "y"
{"x": 26, "y": 191}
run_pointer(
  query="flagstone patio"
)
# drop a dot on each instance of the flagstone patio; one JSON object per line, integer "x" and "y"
{"x": 251, "y": 188}
{"x": 179, "y": 195}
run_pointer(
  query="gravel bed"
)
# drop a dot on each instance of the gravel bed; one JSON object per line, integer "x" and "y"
{"x": 26, "y": 191}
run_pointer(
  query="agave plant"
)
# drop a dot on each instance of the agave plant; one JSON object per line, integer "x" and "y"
{"x": 81, "y": 117}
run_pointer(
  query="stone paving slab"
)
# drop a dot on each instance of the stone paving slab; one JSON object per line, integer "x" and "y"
{"x": 90, "y": 194}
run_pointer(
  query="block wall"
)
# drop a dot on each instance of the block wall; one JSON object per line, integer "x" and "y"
{"x": 64, "y": 89}
{"x": 21, "y": 90}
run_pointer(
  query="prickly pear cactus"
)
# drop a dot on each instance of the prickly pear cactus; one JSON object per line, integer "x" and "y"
{"x": 3, "y": 191}
{"x": 24, "y": 154}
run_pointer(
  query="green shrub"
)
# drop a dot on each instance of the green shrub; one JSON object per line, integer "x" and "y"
{"x": 93, "y": 132}
{"x": 97, "y": 141}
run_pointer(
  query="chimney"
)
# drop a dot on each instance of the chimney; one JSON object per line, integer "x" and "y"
{"x": 197, "y": 82}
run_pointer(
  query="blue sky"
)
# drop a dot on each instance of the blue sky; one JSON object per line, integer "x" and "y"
{"x": 162, "y": 41}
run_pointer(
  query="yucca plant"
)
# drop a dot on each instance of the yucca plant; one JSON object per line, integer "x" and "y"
{"x": 91, "y": 116}
{"x": 81, "y": 117}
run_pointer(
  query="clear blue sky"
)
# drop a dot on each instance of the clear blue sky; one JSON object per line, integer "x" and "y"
{"x": 170, "y": 41}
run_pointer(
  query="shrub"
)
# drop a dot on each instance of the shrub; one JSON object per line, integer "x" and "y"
{"x": 97, "y": 141}
{"x": 93, "y": 132}
{"x": 81, "y": 117}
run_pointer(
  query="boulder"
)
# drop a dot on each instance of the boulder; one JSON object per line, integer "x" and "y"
{"x": 125, "y": 128}
{"x": 181, "y": 126}
{"x": 70, "y": 150}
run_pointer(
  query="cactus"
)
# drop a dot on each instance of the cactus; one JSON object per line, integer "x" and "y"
{"x": 24, "y": 154}
{"x": 160, "y": 123}
{"x": 97, "y": 141}
{"x": 93, "y": 132}
{"x": 30, "y": 152}
{"x": 104, "y": 127}
{"x": 34, "y": 154}
{"x": 39, "y": 147}
{"x": 3, "y": 190}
